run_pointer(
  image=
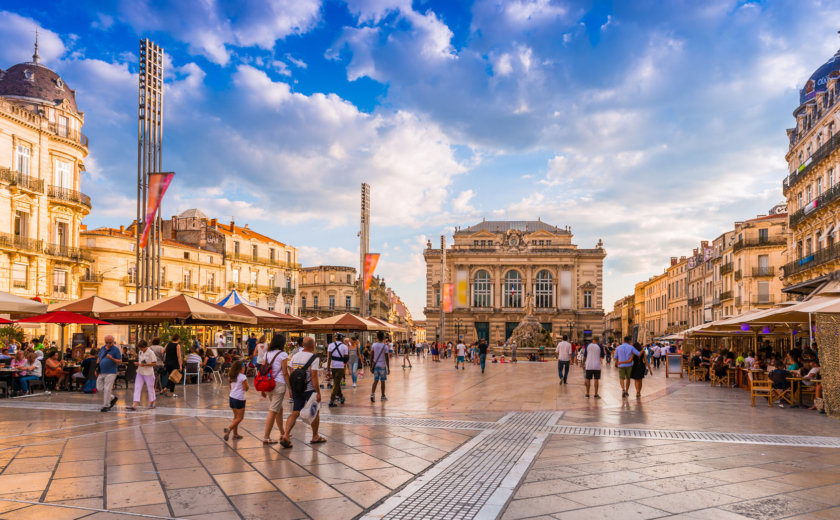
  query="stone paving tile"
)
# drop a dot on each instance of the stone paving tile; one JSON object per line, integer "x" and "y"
{"x": 10, "y": 484}
{"x": 331, "y": 509}
{"x": 828, "y": 495}
{"x": 185, "y": 477}
{"x": 198, "y": 501}
{"x": 336, "y": 473}
{"x": 825, "y": 514}
{"x": 733, "y": 475}
{"x": 131, "y": 494}
{"x": 551, "y": 473}
{"x": 243, "y": 483}
{"x": 689, "y": 500}
{"x": 608, "y": 479}
{"x": 770, "y": 508}
{"x": 546, "y": 487}
{"x": 31, "y": 465}
{"x": 130, "y": 473}
{"x": 71, "y": 488}
{"x": 225, "y": 465}
{"x": 712, "y": 513}
{"x": 623, "y": 511}
{"x": 365, "y": 493}
{"x": 754, "y": 489}
{"x": 391, "y": 477}
{"x": 681, "y": 483}
{"x": 40, "y": 512}
{"x": 609, "y": 495}
{"x": 81, "y": 468}
{"x": 809, "y": 478}
{"x": 305, "y": 488}
{"x": 121, "y": 458}
{"x": 361, "y": 461}
{"x": 261, "y": 506}
{"x": 410, "y": 464}
{"x": 176, "y": 461}
{"x": 544, "y": 505}
{"x": 6, "y": 506}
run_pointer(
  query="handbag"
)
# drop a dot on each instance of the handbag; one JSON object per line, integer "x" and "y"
{"x": 264, "y": 381}
{"x": 310, "y": 410}
{"x": 175, "y": 376}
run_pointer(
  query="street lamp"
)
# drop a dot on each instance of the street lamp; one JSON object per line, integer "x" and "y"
{"x": 458, "y": 328}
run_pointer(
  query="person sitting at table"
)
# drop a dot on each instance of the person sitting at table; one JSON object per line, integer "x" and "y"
{"x": 88, "y": 371}
{"x": 52, "y": 369}
{"x": 719, "y": 367}
{"x": 30, "y": 371}
{"x": 792, "y": 365}
{"x": 5, "y": 358}
{"x": 696, "y": 360}
{"x": 209, "y": 363}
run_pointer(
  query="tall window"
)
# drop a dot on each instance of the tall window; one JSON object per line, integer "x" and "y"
{"x": 271, "y": 254}
{"x": 763, "y": 292}
{"x": 62, "y": 126}
{"x": 254, "y": 275}
{"x": 187, "y": 277}
{"x": 63, "y": 176}
{"x": 271, "y": 281}
{"x": 315, "y": 300}
{"x": 254, "y": 253}
{"x": 481, "y": 289}
{"x": 21, "y": 224}
{"x": 587, "y": 299}
{"x": 235, "y": 275}
{"x": 236, "y": 248}
{"x": 348, "y": 302}
{"x": 332, "y": 301}
{"x": 513, "y": 289}
{"x": 61, "y": 234}
{"x": 19, "y": 274}
{"x": 22, "y": 156}
{"x": 288, "y": 282}
{"x": 60, "y": 281}
{"x": 763, "y": 235}
{"x": 819, "y": 186}
{"x": 830, "y": 178}
{"x": 211, "y": 280}
{"x": 543, "y": 290}
{"x": 303, "y": 301}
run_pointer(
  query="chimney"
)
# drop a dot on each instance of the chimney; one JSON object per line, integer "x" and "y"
{"x": 213, "y": 222}
{"x": 704, "y": 244}
{"x": 673, "y": 261}
{"x": 695, "y": 251}
{"x": 232, "y": 226}
{"x": 682, "y": 259}
{"x": 122, "y": 229}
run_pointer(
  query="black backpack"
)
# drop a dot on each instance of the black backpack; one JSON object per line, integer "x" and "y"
{"x": 297, "y": 379}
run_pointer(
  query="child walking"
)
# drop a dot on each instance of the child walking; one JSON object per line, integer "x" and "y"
{"x": 238, "y": 387}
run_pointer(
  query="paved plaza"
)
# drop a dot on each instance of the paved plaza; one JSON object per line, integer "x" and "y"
{"x": 510, "y": 444}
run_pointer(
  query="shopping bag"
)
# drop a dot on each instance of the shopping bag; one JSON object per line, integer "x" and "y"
{"x": 175, "y": 376}
{"x": 310, "y": 409}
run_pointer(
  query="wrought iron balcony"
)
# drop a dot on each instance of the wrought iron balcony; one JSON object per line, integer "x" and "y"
{"x": 66, "y": 194}
{"x": 186, "y": 286}
{"x": 697, "y": 300}
{"x": 129, "y": 280}
{"x": 89, "y": 277}
{"x": 726, "y": 268}
{"x": 816, "y": 205}
{"x": 758, "y": 272}
{"x": 760, "y": 242}
{"x": 73, "y": 253}
{"x": 816, "y": 158}
{"x": 764, "y": 299}
{"x": 737, "y": 275}
{"x": 324, "y": 308}
{"x": 725, "y": 295}
{"x": 288, "y": 291}
{"x": 212, "y": 289}
{"x": 67, "y": 133}
{"x": 820, "y": 257}
{"x": 32, "y": 245}
{"x": 21, "y": 180}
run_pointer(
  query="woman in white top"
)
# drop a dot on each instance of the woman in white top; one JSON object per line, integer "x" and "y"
{"x": 238, "y": 387}
{"x": 146, "y": 363}
{"x": 262, "y": 348}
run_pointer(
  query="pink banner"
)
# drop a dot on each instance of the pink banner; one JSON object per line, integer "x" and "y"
{"x": 158, "y": 184}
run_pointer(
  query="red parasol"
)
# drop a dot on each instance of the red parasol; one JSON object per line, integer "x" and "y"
{"x": 63, "y": 318}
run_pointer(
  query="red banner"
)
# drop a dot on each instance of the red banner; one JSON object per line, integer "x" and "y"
{"x": 448, "y": 296}
{"x": 158, "y": 184}
{"x": 371, "y": 259}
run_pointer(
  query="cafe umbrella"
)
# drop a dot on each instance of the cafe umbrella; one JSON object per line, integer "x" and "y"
{"x": 63, "y": 318}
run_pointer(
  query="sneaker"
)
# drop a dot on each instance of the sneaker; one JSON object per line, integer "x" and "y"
{"x": 332, "y": 404}
{"x": 104, "y": 409}
{"x": 597, "y": 396}
{"x": 113, "y": 401}
{"x": 462, "y": 368}
{"x": 342, "y": 400}
{"x": 383, "y": 398}
{"x": 354, "y": 385}
{"x": 372, "y": 398}
{"x": 227, "y": 434}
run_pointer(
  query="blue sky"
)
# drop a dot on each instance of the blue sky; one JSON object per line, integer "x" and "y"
{"x": 650, "y": 125}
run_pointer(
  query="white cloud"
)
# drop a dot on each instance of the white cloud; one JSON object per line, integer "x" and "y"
{"x": 18, "y": 36}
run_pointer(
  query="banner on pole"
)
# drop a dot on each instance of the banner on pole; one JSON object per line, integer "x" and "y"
{"x": 461, "y": 289}
{"x": 448, "y": 296}
{"x": 371, "y": 259}
{"x": 158, "y": 184}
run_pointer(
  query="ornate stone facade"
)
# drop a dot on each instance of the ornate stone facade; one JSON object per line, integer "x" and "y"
{"x": 505, "y": 264}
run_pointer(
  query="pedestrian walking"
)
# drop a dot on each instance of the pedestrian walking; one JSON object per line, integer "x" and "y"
{"x": 513, "y": 352}
{"x": 238, "y": 387}
{"x": 146, "y": 363}
{"x": 639, "y": 369}
{"x": 381, "y": 366}
{"x": 482, "y": 353}
{"x": 339, "y": 355}
{"x": 460, "y": 352}
{"x": 609, "y": 349}
{"x": 109, "y": 359}
{"x": 353, "y": 349}
{"x": 277, "y": 359}
{"x": 302, "y": 375}
{"x": 624, "y": 361}
{"x": 564, "y": 358}
{"x": 173, "y": 359}
{"x": 592, "y": 355}
{"x": 407, "y": 355}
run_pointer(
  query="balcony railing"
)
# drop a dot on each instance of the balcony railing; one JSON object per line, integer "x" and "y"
{"x": 91, "y": 278}
{"x": 249, "y": 257}
{"x": 759, "y": 242}
{"x": 19, "y": 284}
{"x": 239, "y": 286}
{"x": 726, "y": 268}
{"x": 129, "y": 280}
{"x": 323, "y": 308}
{"x": 725, "y": 295}
{"x": 766, "y": 299}
{"x": 21, "y": 180}
{"x": 763, "y": 271}
{"x": 716, "y": 301}
{"x": 67, "y": 133}
{"x": 187, "y": 286}
{"x": 66, "y": 194}
{"x": 697, "y": 300}
{"x": 817, "y": 157}
{"x": 287, "y": 291}
{"x": 73, "y": 253}
{"x": 737, "y": 301}
{"x": 813, "y": 207}
{"x": 9, "y": 241}
{"x": 820, "y": 257}
{"x": 212, "y": 289}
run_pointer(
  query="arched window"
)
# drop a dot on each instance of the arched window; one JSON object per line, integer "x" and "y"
{"x": 481, "y": 289}
{"x": 513, "y": 289}
{"x": 543, "y": 291}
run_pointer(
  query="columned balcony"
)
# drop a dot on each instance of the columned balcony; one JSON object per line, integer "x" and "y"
{"x": 807, "y": 262}
{"x": 67, "y": 195}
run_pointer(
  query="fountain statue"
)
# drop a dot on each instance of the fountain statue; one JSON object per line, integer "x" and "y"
{"x": 529, "y": 335}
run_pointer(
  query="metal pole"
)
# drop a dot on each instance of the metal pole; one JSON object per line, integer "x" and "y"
{"x": 442, "y": 287}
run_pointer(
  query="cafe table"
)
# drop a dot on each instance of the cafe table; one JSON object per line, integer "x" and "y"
{"x": 796, "y": 390}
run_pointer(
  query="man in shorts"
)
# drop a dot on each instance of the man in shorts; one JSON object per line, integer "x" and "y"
{"x": 460, "y": 352}
{"x": 624, "y": 361}
{"x": 564, "y": 357}
{"x": 299, "y": 360}
{"x": 592, "y": 355}
{"x": 381, "y": 365}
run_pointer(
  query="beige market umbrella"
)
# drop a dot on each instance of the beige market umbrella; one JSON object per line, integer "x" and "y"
{"x": 19, "y": 306}
{"x": 180, "y": 308}
{"x": 91, "y": 306}
{"x": 267, "y": 318}
{"x": 344, "y": 321}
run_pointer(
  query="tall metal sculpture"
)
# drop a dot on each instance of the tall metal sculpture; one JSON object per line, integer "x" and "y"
{"x": 149, "y": 158}
{"x": 364, "y": 247}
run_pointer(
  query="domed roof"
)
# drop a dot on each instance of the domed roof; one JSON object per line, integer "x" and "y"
{"x": 818, "y": 82}
{"x": 193, "y": 213}
{"x": 36, "y": 82}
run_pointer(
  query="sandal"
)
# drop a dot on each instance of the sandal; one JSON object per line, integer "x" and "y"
{"x": 132, "y": 408}
{"x": 227, "y": 434}
{"x": 319, "y": 440}
{"x": 286, "y": 444}
{"x": 269, "y": 441}
{"x": 235, "y": 436}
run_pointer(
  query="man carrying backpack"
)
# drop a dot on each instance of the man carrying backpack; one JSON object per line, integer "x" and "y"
{"x": 339, "y": 354}
{"x": 381, "y": 366}
{"x": 302, "y": 374}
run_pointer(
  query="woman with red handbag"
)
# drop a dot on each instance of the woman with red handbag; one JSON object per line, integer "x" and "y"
{"x": 270, "y": 382}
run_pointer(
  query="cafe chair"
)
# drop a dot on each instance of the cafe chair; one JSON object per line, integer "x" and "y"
{"x": 783, "y": 394}
{"x": 4, "y": 387}
{"x": 763, "y": 389}
{"x": 217, "y": 373}
{"x": 192, "y": 369}
{"x": 808, "y": 390}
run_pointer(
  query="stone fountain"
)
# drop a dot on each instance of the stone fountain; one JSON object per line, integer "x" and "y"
{"x": 529, "y": 335}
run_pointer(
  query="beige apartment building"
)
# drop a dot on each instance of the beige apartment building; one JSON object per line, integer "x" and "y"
{"x": 677, "y": 297}
{"x": 327, "y": 290}
{"x": 509, "y": 268}
{"x": 42, "y": 152}
{"x": 656, "y": 307}
{"x": 757, "y": 253}
{"x": 639, "y": 322}
{"x": 811, "y": 187}
{"x": 696, "y": 266}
